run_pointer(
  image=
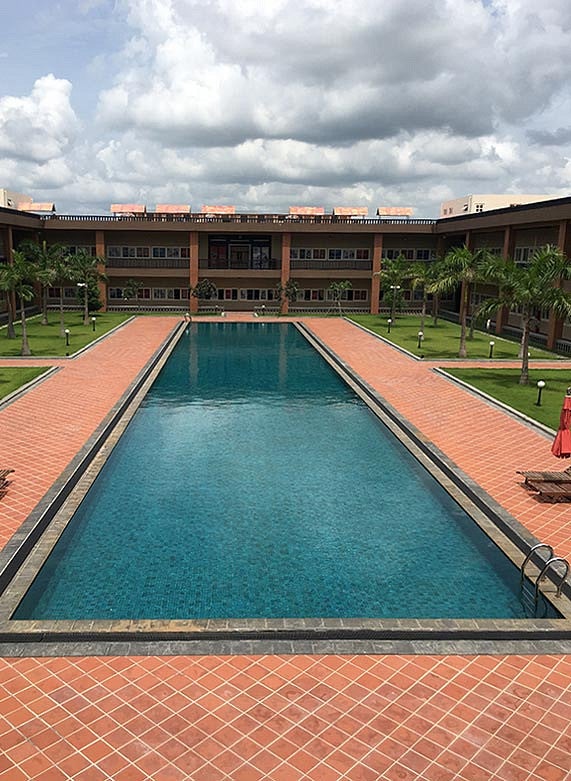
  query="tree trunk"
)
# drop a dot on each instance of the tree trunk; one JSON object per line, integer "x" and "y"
{"x": 85, "y": 306}
{"x": 423, "y": 313}
{"x": 462, "y": 353}
{"x": 10, "y": 330}
{"x": 44, "y": 305}
{"x": 61, "y": 320}
{"x": 11, "y": 301}
{"x": 524, "y": 376}
{"x": 435, "y": 307}
{"x": 25, "y": 346}
{"x": 472, "y": 296}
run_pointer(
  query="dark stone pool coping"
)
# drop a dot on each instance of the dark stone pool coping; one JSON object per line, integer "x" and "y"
{"x": 255, "y": 636}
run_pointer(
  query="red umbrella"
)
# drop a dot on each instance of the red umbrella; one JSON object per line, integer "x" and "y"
{"x": 562, "y": 444}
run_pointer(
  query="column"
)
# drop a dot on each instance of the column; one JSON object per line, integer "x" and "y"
{"x": 193, "y": 268}
{"x": 440, "y": 247}
{"x": 285, "y": 272}
{"x": 376, "y": 280}
{"x": 101, "y": 252}
{"x": 502, "y": 315}
{"x": 555, "y": 325}
{"x": 8, "y": 249}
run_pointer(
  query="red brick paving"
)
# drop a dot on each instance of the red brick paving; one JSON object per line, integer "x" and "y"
{"x": 245, "y": 718}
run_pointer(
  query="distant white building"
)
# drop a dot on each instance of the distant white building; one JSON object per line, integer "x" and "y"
{"x": 12, "y": 200}
{"x": 473, "y": 204}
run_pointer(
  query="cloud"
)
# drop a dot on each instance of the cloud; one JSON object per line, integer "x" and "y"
{"x": 40, "y": 126}
{"x": 266, "y": 104}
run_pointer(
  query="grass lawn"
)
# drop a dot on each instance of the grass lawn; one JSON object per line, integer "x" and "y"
{"x": 443, "y": 340}
{"x": 45, "y": 339}
{"x": 503, "y": 385}
{"x": 11, "y": 379}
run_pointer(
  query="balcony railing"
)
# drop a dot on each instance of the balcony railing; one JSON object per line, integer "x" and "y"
{"x": 255, "y": 265}
{"x": 143, "y": 263}
{"x": 331, "y": 265}
{"x": 323, "y": 219}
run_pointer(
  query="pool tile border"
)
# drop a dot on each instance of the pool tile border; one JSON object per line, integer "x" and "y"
{"x": 298, "y": 636}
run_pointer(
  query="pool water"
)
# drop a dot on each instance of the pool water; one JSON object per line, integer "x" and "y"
{"x": 253, "y": 482}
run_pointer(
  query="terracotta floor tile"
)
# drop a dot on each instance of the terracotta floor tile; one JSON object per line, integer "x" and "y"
{"x": 282, "y": 718}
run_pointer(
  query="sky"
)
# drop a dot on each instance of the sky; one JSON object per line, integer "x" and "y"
{"x": 265, "y": 104}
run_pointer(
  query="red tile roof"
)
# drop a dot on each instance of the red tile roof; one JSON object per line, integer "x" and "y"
{"x": 218, "y": 210}
{"x": 351, "y": 211}
{"x": 37, "y": 207}
{"x": 395, "y": 211}
{"x": 306, "y": 210}
{"x": 128, "y": 208}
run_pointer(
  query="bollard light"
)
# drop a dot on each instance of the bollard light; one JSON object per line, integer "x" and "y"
{"x": 491, "y": 355}
{"x": 93, "y": 321}
{"x": 540, "y": 387}
{"x": 66, "y": 332}
{"x": 420, "y": 338}
{"x": 389, "y": 323}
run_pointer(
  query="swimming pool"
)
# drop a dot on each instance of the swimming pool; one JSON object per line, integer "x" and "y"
{"x": 253, "y": 482}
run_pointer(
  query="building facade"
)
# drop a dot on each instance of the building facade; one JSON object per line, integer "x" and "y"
{"x": 247, "y": 256}
{"x": 474, "y": 204}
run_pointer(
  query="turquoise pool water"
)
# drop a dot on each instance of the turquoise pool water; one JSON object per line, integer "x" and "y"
{"x": 252, "y": 482}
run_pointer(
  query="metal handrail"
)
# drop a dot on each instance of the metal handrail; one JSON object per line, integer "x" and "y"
{"x": 543, "y": 574}
{"x": 530, "y": 554}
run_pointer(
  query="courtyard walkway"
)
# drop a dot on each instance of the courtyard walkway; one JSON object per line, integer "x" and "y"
{"x": 282, "y": 718}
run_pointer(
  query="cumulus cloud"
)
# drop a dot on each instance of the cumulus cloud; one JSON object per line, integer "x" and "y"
{"x": 39, "y": 126}
{"x": 266, "y": 104}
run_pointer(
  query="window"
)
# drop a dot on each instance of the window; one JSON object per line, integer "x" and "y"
{"x": 159, "y": 252}
{"x": 335, "y": 254}
{"x": 159, "y": 292}
{"x": 479, "y": 207}
{"x": 362, "y": 254}
{"x": 173, "y": 252}
{"x": 228, "y": 294}
{"x": 115, "y": 292}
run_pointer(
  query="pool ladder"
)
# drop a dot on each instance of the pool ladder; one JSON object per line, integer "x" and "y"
{"x": 530, "y": 600}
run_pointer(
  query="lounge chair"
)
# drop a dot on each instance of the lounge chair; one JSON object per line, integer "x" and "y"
{"x": 546, "y": 477}
{"x": 552, "y": 492}
{"x": 5, "y": 472}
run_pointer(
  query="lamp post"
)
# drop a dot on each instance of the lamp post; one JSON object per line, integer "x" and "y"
{"x": 389, "y": 323}
{"x": 420, "y": 338}
{"x": 491, "y": 355}
{"x": 93, "y": 320}
{"x": 540, "y": 387}
{"x": 66, "y": 332}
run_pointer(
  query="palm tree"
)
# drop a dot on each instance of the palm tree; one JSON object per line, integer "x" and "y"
{"x": 46, "y": 260}
{"x": 288, "y": 292}
{"x": 422, "y": 275}
{"x": 463, "y": 267}
{"x": 532, "y": 286}
{"x": 337, "y": 289}
{"x": 7, "y": 288}
{"x": 16, "y": 277}
{"x": 85, "y": 270}
{"x": 392, "y": 275}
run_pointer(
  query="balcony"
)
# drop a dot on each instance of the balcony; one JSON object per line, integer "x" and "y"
{"x": 246, "y": 265}
{"x": 144, "y": 263}
{"x": 331, "y": 265}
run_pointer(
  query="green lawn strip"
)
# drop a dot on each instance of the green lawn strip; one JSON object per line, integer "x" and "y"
{"x": 503, "y": 385}
{"x": 442, "y": 340}
{"x": 45, "y": 339}
{"x": 13, "y": 378}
